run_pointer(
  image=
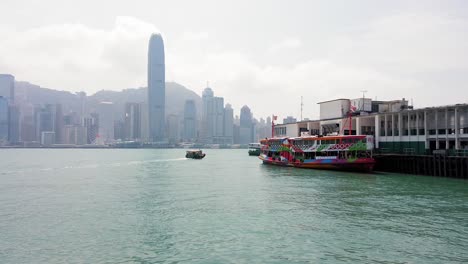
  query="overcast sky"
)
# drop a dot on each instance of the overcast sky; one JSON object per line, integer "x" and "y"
{"x": 262, "y": 53}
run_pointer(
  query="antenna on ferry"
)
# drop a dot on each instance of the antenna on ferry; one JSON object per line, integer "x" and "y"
{"x": 363, "y": 96}
{"x": 302, "y": 105}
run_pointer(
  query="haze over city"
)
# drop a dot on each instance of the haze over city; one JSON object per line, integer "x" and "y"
{"x": 252, "y": 53}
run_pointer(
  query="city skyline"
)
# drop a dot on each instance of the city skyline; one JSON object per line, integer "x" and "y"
{"x": 320, "y": 50}
{"x": 48, "y": 120}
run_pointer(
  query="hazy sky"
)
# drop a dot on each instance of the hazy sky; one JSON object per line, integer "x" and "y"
{"x": 265, "y": 54}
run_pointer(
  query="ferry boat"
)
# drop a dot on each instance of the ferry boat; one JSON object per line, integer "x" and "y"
{"x": 195, "y": 154}
{"x": 349, "y": 153}
{"x": 254, "y": 149}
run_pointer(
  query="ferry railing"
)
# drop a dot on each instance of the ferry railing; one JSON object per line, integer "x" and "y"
{"x": 409, "y": 151}
{"x": 459, "y": 152}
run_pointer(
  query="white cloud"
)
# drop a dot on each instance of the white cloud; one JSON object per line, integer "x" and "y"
{"x": 391, "y": 57}
{"x": 78, "y": 57}
{"x": 289, "y": 43}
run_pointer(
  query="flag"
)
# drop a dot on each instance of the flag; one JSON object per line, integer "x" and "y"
{"x": 352, "y": 108}
{"x": 275, "y": 117}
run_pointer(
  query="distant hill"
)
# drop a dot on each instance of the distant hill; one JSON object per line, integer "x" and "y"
{"x": 176, "y": 95}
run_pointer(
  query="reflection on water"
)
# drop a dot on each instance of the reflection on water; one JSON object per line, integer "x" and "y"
{"x": 156, "y": 206}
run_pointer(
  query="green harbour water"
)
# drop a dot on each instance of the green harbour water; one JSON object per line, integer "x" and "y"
{"x": 155, "y": 206}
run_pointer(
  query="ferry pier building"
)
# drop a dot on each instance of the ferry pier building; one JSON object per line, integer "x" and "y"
{"x": 395, "y": 125}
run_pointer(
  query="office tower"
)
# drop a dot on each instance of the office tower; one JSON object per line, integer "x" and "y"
{"x": 119, "y": 130}
{"x": 7, "y": 87}
{"x": 144, "y": 129}
{"x": 45, "y": 119}
{"x": 58, "y": 129}
{"x": 190, "y": 121}
{"x": 27, "y": 123}
{"x": 173, "y": 131}
{"x": 207, "y": 115}
{"x": 228, "y": 130}
{"x": 13, "y": 124}
{"x": 156, "y": 88}
{"x": 132, "y": 121}
{"x": 289, "y": 120}
{"x": 268, "y": 124}
{"x": 105, "y": 110}
{"x": 75, "y": 135}
{"x": 246, "y": 126}
{"x": 91, "y": 123}
{"x": 212, "y": 118}
{"x": 47, "y": 138}
{"x": 236, "y": 130}
{"x": 218, "y": 120}
{"x": 3, "y": 121}
{"x": 82, "y": 98}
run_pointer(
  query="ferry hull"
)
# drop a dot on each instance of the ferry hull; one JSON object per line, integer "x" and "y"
{"x": 364, "y": 164}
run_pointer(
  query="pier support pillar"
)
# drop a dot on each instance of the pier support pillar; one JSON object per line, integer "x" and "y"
{"x": 437, "y": 128}
{"x": 457, "y": 129}
{"x": 377, "y": 131}
{"x": 446, "y": 129}
{"x": 426, "y": 133}
{"x": 358, "y": 126}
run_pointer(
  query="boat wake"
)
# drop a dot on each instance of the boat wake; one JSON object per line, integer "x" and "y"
{"x": 91, "y": 166}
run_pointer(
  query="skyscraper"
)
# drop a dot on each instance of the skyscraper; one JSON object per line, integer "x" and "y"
{"x": 3, "y": 121}
{"x": 190, "y": 121}
{"x": 173, "y": 132}
{"x": 156, "y": 88}
{"x": 213, "y": 130}
{"x": 45, "y": 121}
{"x": 7, "y": 87}
{"x": 91, "y": 123}
{"x": 207, "y": 112}
{"x": 132, "y": 121}
{"x": 246, "y": 126}
{"x": 228, "y": 124}
{"x": 144, "y": 126}
{"x": 106, "y": 114}
{"x": 13, "y": 124}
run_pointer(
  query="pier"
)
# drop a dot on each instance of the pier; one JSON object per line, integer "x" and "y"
{"x": 429, "y": 165}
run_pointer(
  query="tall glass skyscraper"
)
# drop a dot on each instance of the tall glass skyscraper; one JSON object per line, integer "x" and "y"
{"x": 190, "y": 121}
{"x": 156, "y": 88}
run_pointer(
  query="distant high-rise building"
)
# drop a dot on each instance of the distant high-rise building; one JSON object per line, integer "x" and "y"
{"x": 27, "y": 123}
{"x": 268, "y": 125}
{"x": 156, "y": 88}
{"x": 207, "y": 115}
{"x": 289, "y": 120}
{"x": 132, "y": 120}
{"x": 45, "y": 120}
{"x": 144, "y": 130}
{"x": 3, "y": 120}
{"x": 13, "y": 124}
{"x": 218, "y": 120}
{"x": 75, "y": 134}
{"x": 213, "y": 126}
{"x": 236, "y": 134}
{"x": 173, "y": 131}
{"x": 105, "y": 110}
{"x": 7, "y": 87}
{"x": 47, "y": 138}
{"x": 228, "y": 124}
{"x": 82, "y": 96}
{"x": 58, "y": 128}
{"x": 92, "y": 127}
{"x": 246, "y": 126}
{"x": 119, "y": 130}
{"x": 190, "y": 121}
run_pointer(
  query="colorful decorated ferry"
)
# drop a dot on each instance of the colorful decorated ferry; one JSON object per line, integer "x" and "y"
{"x": 349, "y": 153}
